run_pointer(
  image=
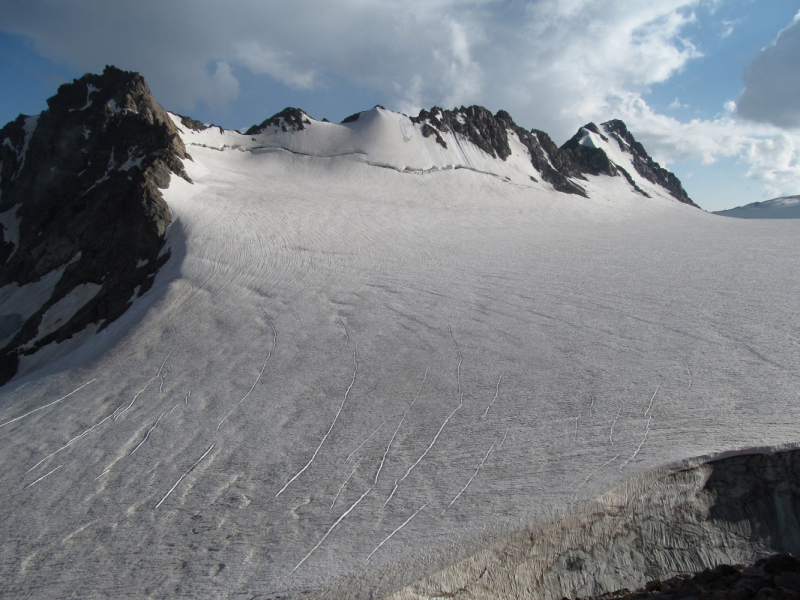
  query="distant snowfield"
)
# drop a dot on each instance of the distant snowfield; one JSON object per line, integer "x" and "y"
{"x": 787, "y": 207}
{"x": 348, "y": 371}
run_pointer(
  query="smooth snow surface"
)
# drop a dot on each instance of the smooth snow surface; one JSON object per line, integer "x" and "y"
{"x": 343, "y": 362}
{"x": 787, "y": 207}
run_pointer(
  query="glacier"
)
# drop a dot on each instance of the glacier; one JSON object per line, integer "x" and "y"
{"x": 373, "y": 360}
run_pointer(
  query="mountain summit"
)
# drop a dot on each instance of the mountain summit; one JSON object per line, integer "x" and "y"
{"x": 82, "y": 216}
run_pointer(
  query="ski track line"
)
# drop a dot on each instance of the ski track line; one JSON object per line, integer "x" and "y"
{"x": 689, "y": 373}
{"x": 252, "y": 387}
{"x": 611, "y": 435}
{"x": 345, "y": 483}
{"x": 496, "y": 393}
{"x": 43, "y": 476}
{"x": 504, "y": 437}
{"x": 325, "y": 437}
{"x": 411, "y": 468}
{"x": 651, "y": 400}
{"x": 406, "y": 522}
{"x": 470, "y": 480}
{"x": 149, "y": 431}
{"x": 389, "y": 445}
{"x": 180, "y": 335}
{"x": 72, "y": 441}
{"x": 46, "y": 405}
{"x": 458, "y": 368}
{"x": 346, "y": 337}
{"x": 590, "y": 475}
{"x": 591, "y": 406}
{"x": 644, "y": 439}
{"x": 327, "y": 533}
{"x": 118, "y": 413}
{"x": 365, "y": 441}
{"x": 172, "y": 489}
{"x": 461, "y": 403}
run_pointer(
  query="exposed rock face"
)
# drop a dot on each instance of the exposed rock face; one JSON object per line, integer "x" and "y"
{"x": 731, "y": 510}
{"x": 595, "y": 160}
{"x": 490, "y": 133}
{"x": 194, "y": 124}
{"x": 777, "y": 576}
{"x": 80, "y": 197}
{"x": 289, "y": 119}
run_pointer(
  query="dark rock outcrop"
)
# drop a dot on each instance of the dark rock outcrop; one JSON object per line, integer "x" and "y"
{"x": 591, "y": 160}
{"x": 490, "y": 133}
{"x": 195, "y": 125}
{"x": 656, "y": 527}
{"x": 595, "y": 161}
{"x": 289, "y": 119}
{"x": 82, "y": 180}
{"x": 777, "y": 576}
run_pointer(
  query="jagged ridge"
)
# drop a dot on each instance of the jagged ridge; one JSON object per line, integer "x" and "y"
{"x": 490, "y": 133}
{"x": 596, "y": 162}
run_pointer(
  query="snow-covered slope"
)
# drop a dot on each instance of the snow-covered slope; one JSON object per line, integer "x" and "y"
{"x": 786, "y": 207}
{"x": 362, "y": 364}
{"x": 379, "y": 138}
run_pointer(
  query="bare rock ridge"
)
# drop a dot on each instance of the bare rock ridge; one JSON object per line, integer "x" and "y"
{"x": 80, "y": 197}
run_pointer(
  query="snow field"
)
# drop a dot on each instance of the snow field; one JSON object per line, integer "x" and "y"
{"x": 517, "y": 351}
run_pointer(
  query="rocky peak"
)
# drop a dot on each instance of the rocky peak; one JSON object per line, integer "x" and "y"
{"x": 594, "y": 160}
{"x": 80, "y": 206}
{"x": 589, "y": 158}
{"x": 289, "y": 119}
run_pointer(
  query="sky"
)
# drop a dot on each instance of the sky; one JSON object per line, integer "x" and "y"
{"x": 711, "y": 88}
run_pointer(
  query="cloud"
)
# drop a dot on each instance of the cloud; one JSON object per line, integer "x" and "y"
{"x": 553, "y": 64}
{"x": 223, "y": 86}
{"x": 728, "y": 27}
{"x": 772, "y": 81}
{"x": 549, "y": 62}
{"x": 768, "y": 154}
{"x": 277, "y": 64}
{"x": 776, "y": 163}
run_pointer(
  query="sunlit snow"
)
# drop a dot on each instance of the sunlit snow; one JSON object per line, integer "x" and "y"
{"x": 368, "y": 355}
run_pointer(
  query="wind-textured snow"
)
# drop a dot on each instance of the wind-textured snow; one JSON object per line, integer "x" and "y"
{"x": 498, "y": 350}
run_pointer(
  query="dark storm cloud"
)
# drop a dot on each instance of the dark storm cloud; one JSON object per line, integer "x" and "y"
{"x": 772, "y": 82}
